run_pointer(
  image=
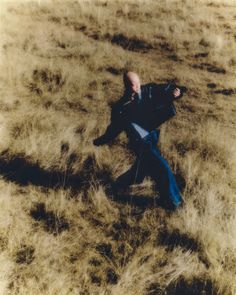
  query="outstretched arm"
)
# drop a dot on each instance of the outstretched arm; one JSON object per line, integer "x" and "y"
{"x": 175, "y": 91}
{"x": 166, "y": 93}
{"x": 112, "y": 131}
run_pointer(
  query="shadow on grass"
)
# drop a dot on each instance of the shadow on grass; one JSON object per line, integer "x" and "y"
{"x": 51, "y": 222}
{"x": 20, "y": 170}
{"x": 196, "y": 286}
{"x": 141, "y": 201}
{"x": 175, "y": 238}
{"x": 25, "y": 255}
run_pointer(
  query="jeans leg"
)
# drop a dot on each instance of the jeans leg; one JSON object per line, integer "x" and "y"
{"x": 161, "y": 172}
{"x": 134, "y": 175}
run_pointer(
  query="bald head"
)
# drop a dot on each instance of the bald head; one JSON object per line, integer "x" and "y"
{"x": 131, "y": 82}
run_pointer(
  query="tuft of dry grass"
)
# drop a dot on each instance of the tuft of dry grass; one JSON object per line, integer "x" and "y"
{"x": 61, "y": 229}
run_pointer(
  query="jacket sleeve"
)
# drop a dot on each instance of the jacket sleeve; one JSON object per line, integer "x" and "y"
{"x": 164, "y": 92}
{"x": 113, "y": 130}
{"x": 160, "y": 105}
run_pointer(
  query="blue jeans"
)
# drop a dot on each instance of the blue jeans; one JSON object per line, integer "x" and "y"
{"x": 149, "y": 162}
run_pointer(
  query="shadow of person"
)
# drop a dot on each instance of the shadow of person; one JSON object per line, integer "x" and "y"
{"x": 20, "y": 170}
{"x": 141, "y": 201}
{"x": 135, "y": 200}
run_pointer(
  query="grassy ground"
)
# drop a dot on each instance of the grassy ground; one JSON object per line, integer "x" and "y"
{"x": 61, "y": 69}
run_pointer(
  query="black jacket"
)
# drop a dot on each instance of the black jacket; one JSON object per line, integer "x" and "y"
{"x": 154, "y": 108}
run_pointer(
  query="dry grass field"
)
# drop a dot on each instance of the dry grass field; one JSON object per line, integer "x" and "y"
{"x": 61, "y": 232}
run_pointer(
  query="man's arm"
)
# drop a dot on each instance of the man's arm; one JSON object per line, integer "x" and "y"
{"x": 166, "y": 93}
{"x": 113, "y": 129}
{"x": 175, "y": 91}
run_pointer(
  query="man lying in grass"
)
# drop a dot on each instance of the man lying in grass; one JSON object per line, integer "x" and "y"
{"x": 139, "y": 112}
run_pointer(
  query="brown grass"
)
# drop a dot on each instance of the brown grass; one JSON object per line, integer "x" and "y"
{"x": 61, "y": 232}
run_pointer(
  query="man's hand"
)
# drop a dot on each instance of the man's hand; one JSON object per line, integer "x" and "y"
{"x": 176, "y": 92}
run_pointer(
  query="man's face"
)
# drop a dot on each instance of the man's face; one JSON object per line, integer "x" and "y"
{"x": 132, "y": 84}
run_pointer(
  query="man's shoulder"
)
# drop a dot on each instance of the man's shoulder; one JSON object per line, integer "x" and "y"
{"x": 152, "y": 90}
{"x": 148, "y": 85}
{"x": 118, "y": 103}
{"x": 154, "y": 86}
{"x": 147, "y": 89}
{"x": 117, "y": 107}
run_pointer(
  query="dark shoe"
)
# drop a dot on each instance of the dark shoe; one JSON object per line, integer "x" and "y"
{"x": 96, "y": 142}
{"x": 167, "y": 204}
